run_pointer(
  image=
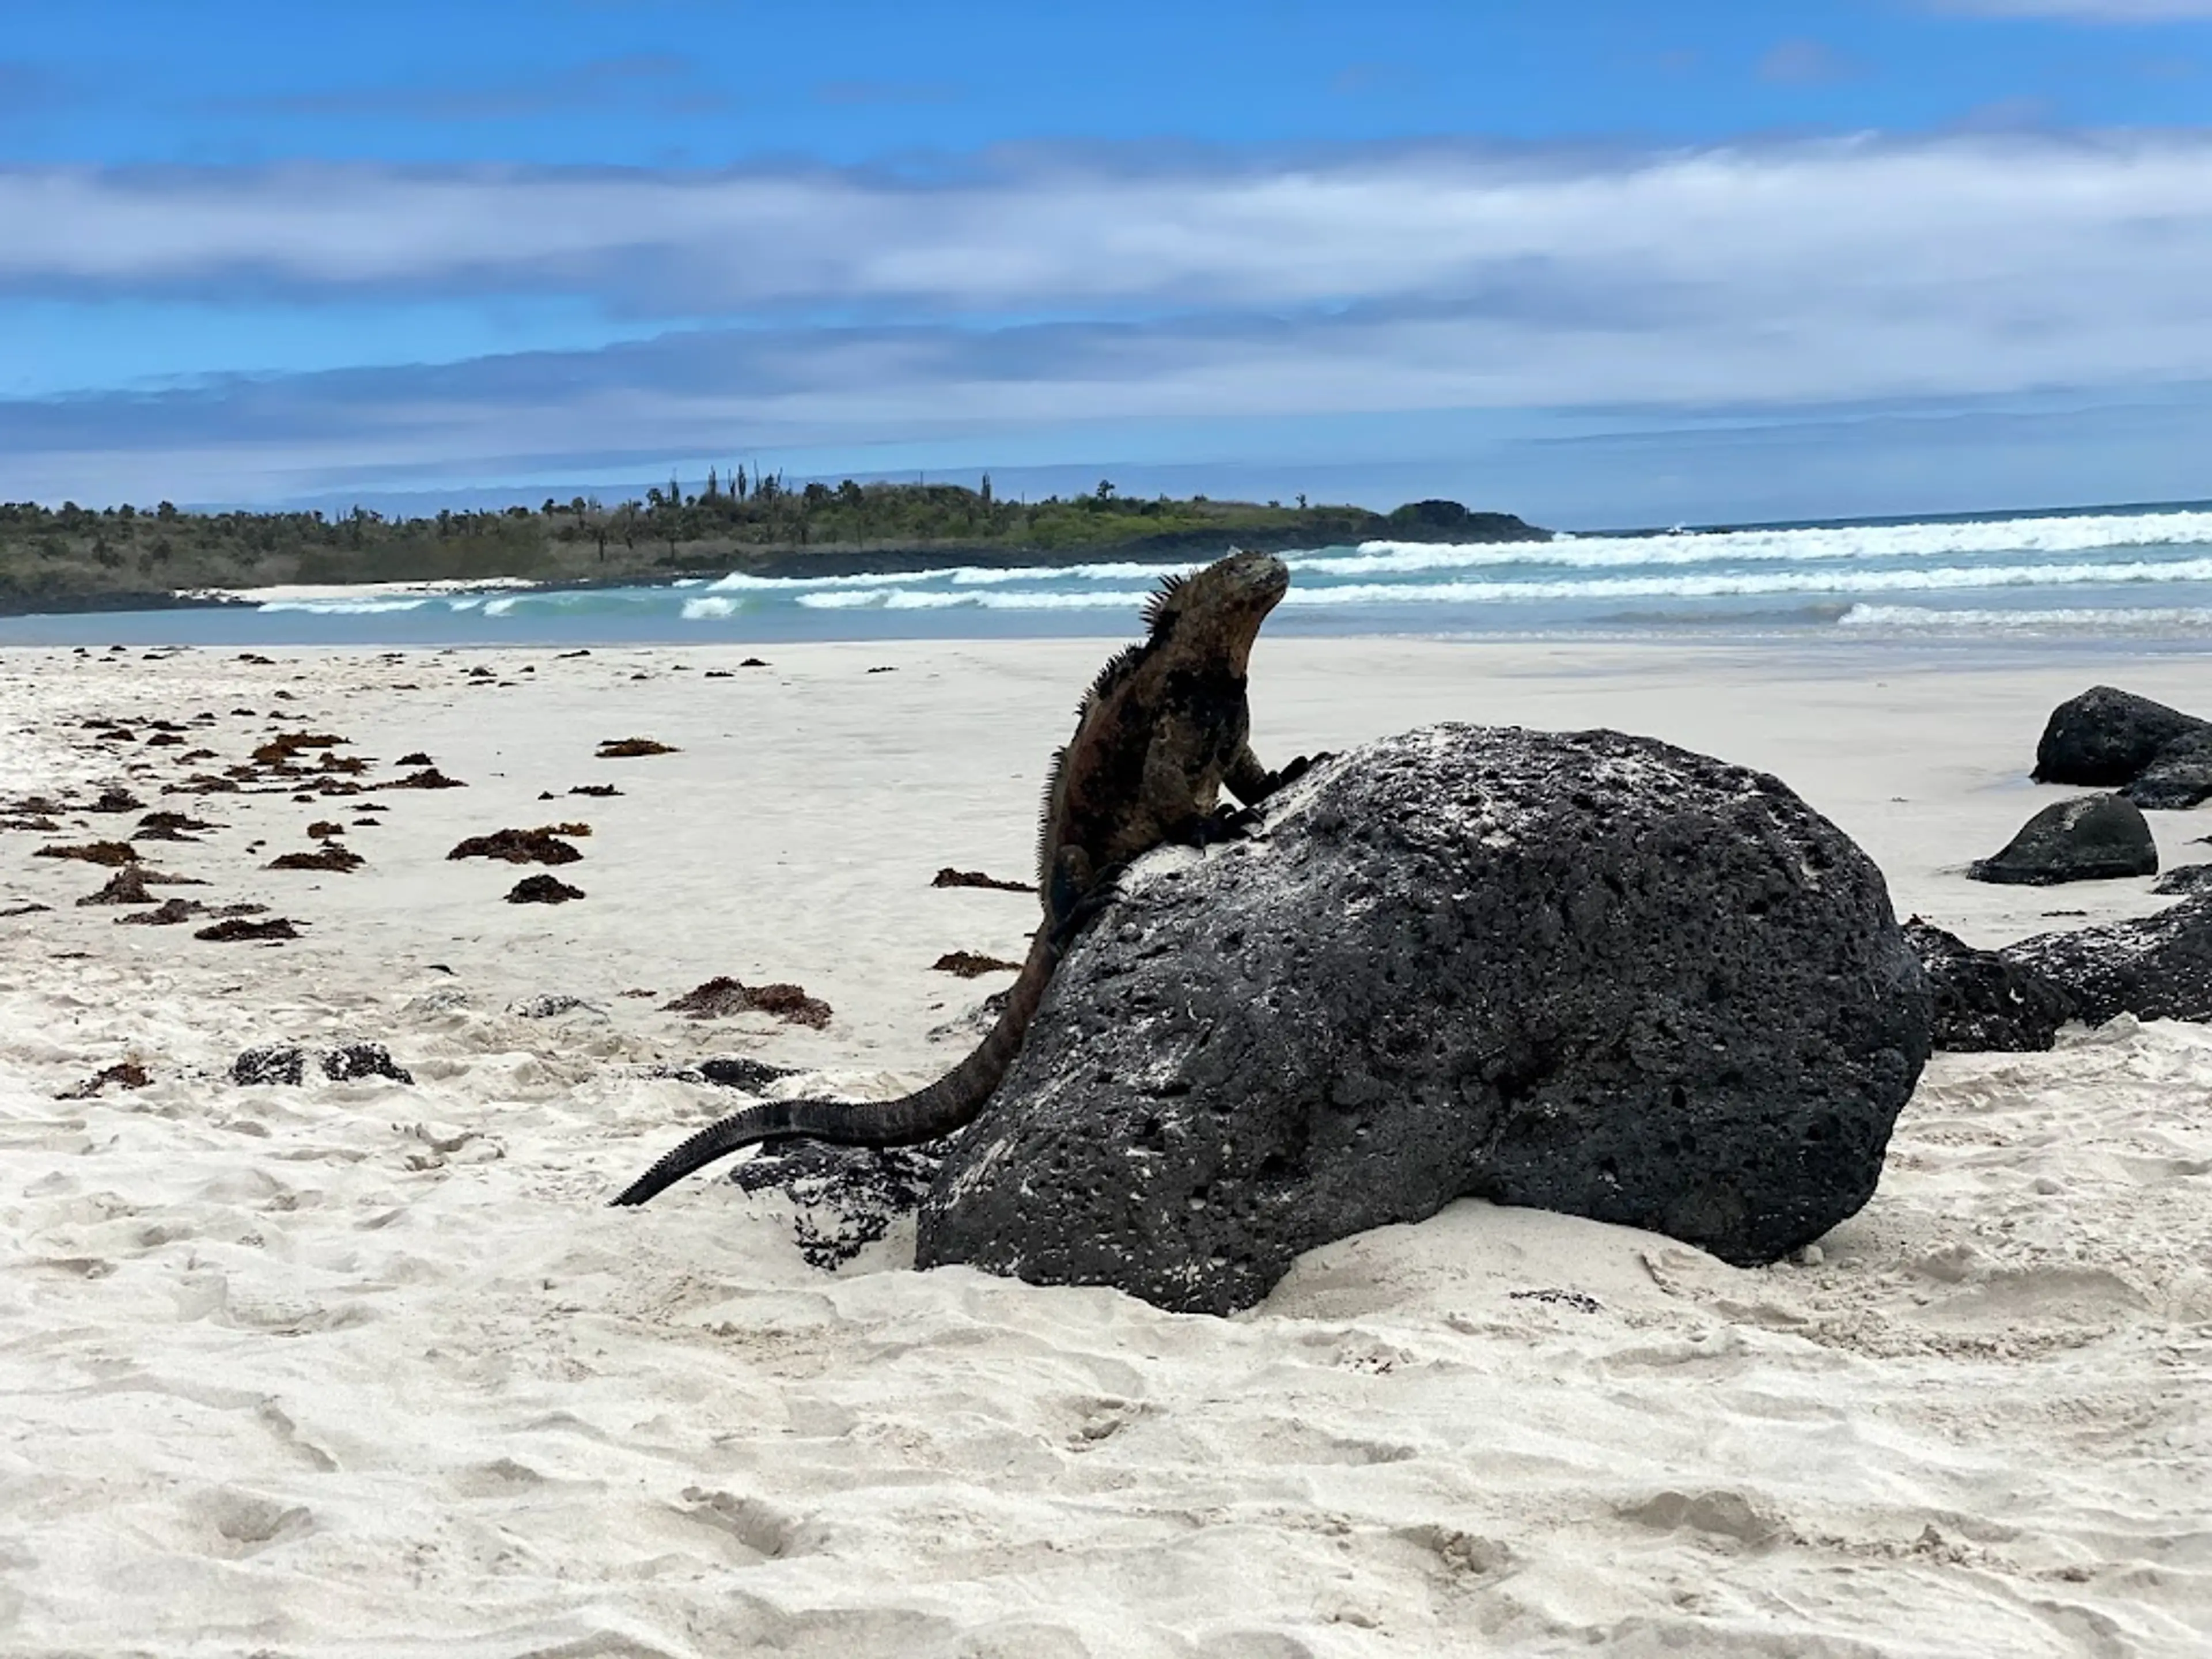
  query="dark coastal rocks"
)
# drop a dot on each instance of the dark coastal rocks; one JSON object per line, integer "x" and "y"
{"x": 721, "y": 997}
{"x": 2159, "y": 968}
{"x": 2181, "y": 777}
{"x": 286, "y": 1064}
{"x": 543, "y": 889}
{"x": 2094, "y": 838}
{"x": 1984, "y": 1003}
{"x": 1583, "y": 972}
{"x": 2184, "y": 879}
{"x": 2107, "y": 738}
{"x": 117, "y": 800}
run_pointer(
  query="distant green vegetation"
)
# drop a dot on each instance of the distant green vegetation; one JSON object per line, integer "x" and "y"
{"x": 59, "y": 558}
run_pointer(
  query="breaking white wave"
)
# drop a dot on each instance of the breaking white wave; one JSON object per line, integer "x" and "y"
{"x": 2078, "y": 619}
{"x": 342, "y": 607}
{"x": 1855, "y": 542}
{"x": 1718, "y": 584}
{"x": 711, "y": 609}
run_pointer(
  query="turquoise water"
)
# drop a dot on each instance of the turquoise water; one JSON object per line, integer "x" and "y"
{"x": 2137, "y": 572}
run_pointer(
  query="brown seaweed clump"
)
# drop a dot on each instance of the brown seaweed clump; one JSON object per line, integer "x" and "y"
{"x": 109, "y": 853}
{"x": 543, "y": 889}
{"x": 968, "y": 965}
{"x": 948, "y": 876}
{"x": 167, "y": 914}
{"x": 130, "y": 1074}
{"x": 430, "y": 778}
{"x": 170, "y": 826}
{"x": 596, "y": 791}
{"x": 721, "y": 997}
{"x": 280, "y": 750}
{"x": 126, "y": 886}
{"x": 329, "y": 856}
{"x": 237, "y": 931}
{"x": 542, "y": 846}
{"x": 171, "y": 912}
{"x": 625, "y": 748}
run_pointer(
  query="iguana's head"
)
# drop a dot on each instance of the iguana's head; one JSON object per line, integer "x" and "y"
{"x": 1221, "y": 606}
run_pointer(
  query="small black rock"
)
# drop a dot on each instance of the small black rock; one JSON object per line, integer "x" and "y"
{"x": 275, "y": 1062}
{"x": 2106, "y": 736}
{"x": 1984, "y": 1004}
{"x": 2094, "y": 838}
{"x": 357, "y": 1060}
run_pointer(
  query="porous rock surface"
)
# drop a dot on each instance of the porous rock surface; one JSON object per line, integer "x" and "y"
{"x": 2107, "y": 737}
{"x": 2090, "y": 838}
{"x": 1984, "y": 1003}
{"x": 2159, "y": 968}
{"x": 1586, "y": 972}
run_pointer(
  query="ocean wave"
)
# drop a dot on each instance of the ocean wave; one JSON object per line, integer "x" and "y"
{"x": 987, "y": 600}
{"x": 711, "y": 608}
{"x": 1855, "y": 542}
{"x": 340, "y": 607}
{"x": 2076, "y": 619}
{"x": 1722, "y": 584}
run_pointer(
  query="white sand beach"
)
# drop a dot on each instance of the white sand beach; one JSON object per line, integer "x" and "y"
{"x": 365, "y": 1369}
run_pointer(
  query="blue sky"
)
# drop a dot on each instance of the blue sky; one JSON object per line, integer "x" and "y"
{"x": 1601, "y": 263}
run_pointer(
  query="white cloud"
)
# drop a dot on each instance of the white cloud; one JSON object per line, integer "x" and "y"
{"x": 1228, "y": 290}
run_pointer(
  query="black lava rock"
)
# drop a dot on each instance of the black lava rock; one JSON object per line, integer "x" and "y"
{"x": 2107, "y": 737}
{"x": 1584, "y": 972}
{"x": 1984, "y": 1004}
{"x": 2178, "y": 778}
{"x": 357, "y": 1060}
{"x": 2092, "y": 838}
{"x": 2185, "y": 878}
{"x": 2160, "y": 967}
{"x": 741, "y": 1071}
{"x": 275, "y": 1062}
{"x": 845, "y": 1197}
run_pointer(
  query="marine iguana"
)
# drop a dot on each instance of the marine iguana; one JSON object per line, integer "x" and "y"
{"x": 1164, "y": 726}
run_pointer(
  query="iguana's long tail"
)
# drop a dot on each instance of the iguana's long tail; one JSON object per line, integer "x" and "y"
{"x": 943, "y": 1107}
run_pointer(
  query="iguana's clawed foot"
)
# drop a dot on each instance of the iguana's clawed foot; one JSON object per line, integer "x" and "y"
{"x": 1089, "y": 908}
{"x": 1223, "y": 823}
{"x": 1297, "y": 769}
{"x": 1236, "y": 823}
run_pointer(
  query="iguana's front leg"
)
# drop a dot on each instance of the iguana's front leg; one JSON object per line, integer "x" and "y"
{"x": 1252, "y": 783}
